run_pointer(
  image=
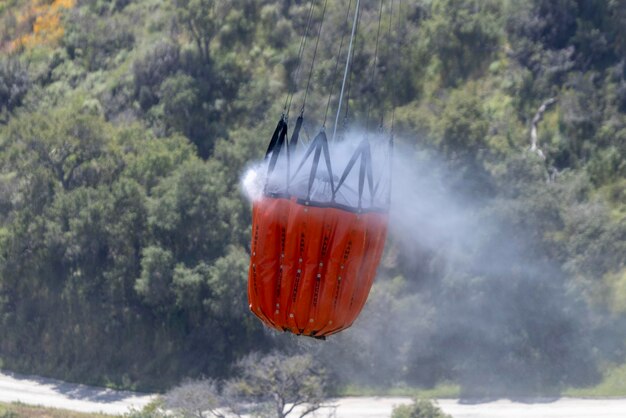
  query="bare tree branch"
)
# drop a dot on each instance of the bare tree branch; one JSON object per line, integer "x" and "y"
{"x": 293, "y": 406}
{"x": 194, "y": 398}
{"x": 280, "y": 383}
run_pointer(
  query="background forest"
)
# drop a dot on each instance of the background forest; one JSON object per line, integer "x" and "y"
{"x": 125, "y": 127}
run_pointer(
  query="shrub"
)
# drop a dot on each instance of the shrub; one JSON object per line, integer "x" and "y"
{"x": 420, "y": 408}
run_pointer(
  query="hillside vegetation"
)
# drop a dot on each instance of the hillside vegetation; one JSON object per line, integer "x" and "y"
{"x": 125, "y": 127}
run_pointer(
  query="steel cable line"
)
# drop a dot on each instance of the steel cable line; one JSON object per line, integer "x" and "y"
{"x": 334, "y": 77}
{"x": 290, "y": 94}
{"x": 317, "y": 41}
{"x": 396, "y": 68}
{"x": 380, "y": 16}
{"x": 349, "y": 57}
{"x": 387, "y": 48}
{"x": 348, "y": 91}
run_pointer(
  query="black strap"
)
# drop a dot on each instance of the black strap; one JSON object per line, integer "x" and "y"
{"x": 274, "y": 139}
{"x": 308, "y": 152}
{"x": 319, "y": 145}
{"x": 296, "y": 134}
{"x": 365, "y": 171}
{"x": 327, "y": 158}
{"x": 278, "y": 145}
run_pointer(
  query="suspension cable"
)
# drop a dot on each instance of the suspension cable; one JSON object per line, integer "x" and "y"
{"x": 347, "y": 67}
{"x": 387, "y": 48}
{"x": 289, "y": 98}
{"x": 351, "y": 74}
{"x": 334, "y": 77}
{"x": 397, "y": 67}
{"x": 369, "y": 105}
{"x": 317, "y": 41}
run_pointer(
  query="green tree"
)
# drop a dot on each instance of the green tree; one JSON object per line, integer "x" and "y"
{"x": 154, "y": 284}
{"x": 150, "y": 70}
{"x": 461, "y": 137}
{"x": 463, "y": 35}
{"x": 14, "y": 84}
{"x": 199, "y": 19}
{"x": 188, "y": 213}
{"x": 420, "y": 408}
{"x": 72, "y": 143}
{"x": 94, "y": 40}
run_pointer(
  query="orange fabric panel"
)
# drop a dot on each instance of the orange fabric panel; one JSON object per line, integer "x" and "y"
{"x": 329, "y": 287}
{"x": 253, "y": 277}
{"x": 316, "y": 317}
{"x": 376, "y": 236}
{"x": 350, "y": 253}
{"x": 268, "y": 226}
{"x": 294, "y": 266}
{"x": 311, "y": 268}
{"x": 313, "y": 265}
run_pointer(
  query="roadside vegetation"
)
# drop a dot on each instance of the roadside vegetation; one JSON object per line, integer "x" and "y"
{"x": 18, "y": 410}
{"x": 124, "y": 235}
{"x": 441, "y": 391}
{"x": 420, "y": 408}
{"x": 613, "y": 384}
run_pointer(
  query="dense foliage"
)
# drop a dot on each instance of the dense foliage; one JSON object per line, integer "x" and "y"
{"x": 420, "y": 408}
{"x": 125, "y": 126}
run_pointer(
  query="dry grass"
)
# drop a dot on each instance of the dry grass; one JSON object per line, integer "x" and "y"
{"x": 18, "y": 410}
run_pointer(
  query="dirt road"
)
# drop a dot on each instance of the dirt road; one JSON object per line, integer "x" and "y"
{"x": 535, "y": 408}
{"x": 54, "y": 393}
